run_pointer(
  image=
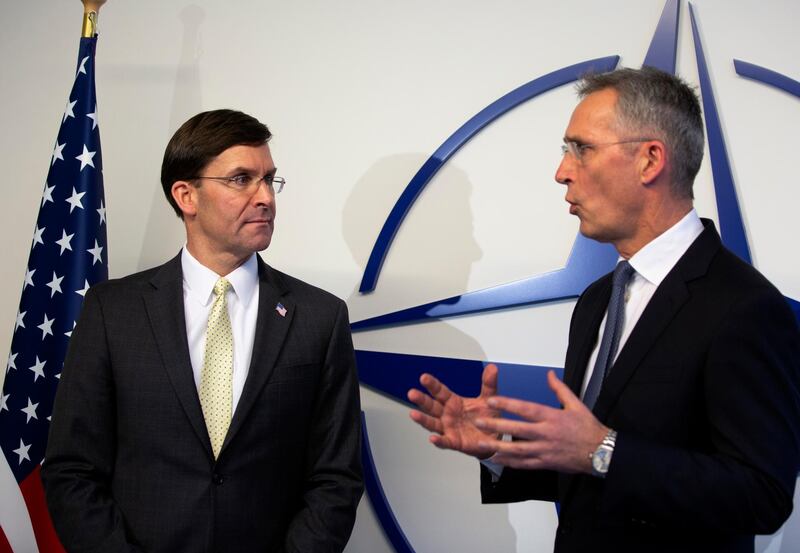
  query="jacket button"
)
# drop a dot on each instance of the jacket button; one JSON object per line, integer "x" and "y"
{"x": 217, "y": 479}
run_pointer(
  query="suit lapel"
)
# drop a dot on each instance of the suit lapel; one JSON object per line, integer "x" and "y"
{"x": 668, "y": 299}
{"x": 270, "y": 334}
{"x": 164, "y": 304}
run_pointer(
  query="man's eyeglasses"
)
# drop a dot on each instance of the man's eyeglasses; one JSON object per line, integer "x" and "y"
{"x": 578, "y": 149}
{"x": 249, "y": 183}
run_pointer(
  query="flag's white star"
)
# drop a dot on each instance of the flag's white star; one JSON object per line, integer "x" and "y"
{"x": 68, "y": 111}
{"x": 11, "y": 364}
{"x": 64, "y": 242}
{"x": 58, "y": 153}
{"x": 55, "y": 285}
{"x": 22, "y": 451}
{"x": 68, "y": 334}
{"x": 38, "y": 369}
{"x": 86, "y": 158}
{"x": 75, "y": 200}
{"x": 30, "y": 410}
{"x": 37, "y": 236}
{"x": 47, "y": 326}
{"x": 96, "y": 253}
{"x": 93, "y": 117}
{"x": 28, "y": 278}
{"x": 82, "y": 291}
{"x": 102, "y": 212}
{"x": 20, "y": 322}
{"x": 82, "y": 68}
{"x": 47, "y": 196}
{"x": 4, "y": 402}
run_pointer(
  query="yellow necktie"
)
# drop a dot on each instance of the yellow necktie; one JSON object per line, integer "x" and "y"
{"x": 215, "y": 384}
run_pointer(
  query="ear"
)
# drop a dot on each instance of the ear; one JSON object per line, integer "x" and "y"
{"x": 653, "y": 161}
{"x": 185, "y": 195}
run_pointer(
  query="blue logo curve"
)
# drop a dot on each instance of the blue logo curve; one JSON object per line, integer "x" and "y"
{"x": 393, "y": 374}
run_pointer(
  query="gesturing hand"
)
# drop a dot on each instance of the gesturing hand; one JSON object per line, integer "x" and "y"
{"x": 452, "y": 417}
{"x": 546, "y": 437}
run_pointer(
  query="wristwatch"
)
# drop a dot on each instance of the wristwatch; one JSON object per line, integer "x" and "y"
{"x": 601, "y": 457}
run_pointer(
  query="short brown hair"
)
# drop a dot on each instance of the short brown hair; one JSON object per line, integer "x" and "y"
{"x": 202, "y": 138}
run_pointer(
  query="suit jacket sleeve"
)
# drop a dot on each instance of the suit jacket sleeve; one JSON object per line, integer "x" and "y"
{"x": 334, "y": 475}
{"x": 81, "y": 445}
{"x": 518, "y": 485}
{"x": 742, "y": 481}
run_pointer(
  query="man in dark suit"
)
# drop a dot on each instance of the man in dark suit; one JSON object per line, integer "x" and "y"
{"x": 680, "y": 422}
{"x": 209, "y": 404}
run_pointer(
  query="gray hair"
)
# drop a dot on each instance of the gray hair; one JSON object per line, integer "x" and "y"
{"x": 658, "y": 105}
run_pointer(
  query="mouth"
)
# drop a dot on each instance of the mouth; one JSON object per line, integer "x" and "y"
{"x": 573, "y": 207}
{"x": 259, "y": 222}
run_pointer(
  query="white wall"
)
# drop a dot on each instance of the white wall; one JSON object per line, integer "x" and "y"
{"x": 358, "y": 94}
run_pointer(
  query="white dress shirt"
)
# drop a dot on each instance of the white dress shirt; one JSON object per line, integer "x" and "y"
{"x": 651, "y": 264}
{"x": 242, "y": 299}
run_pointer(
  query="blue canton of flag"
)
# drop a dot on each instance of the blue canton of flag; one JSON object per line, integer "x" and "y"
{"x": 68, "y": 254}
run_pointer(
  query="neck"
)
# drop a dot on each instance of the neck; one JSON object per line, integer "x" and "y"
{"x": 221, "y": 263}
{"x": 656, "y": 220}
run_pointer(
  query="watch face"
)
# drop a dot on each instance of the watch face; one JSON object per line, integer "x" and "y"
{"x": 600, "y": 459}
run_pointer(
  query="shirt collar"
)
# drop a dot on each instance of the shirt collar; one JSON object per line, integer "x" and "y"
{"x": 656, "y": 259}
{"x": 199, "y": 280}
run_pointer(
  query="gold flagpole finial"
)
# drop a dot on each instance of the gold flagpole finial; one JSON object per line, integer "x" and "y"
{"x": 90, "y": 10}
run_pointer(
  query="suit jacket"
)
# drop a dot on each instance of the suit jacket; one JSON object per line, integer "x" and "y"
{"x": 704, "y": 396}
{"x": 129, "y": 465}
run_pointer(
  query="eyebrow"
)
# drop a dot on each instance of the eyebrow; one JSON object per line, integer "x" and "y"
{"x": 238, "y": 170}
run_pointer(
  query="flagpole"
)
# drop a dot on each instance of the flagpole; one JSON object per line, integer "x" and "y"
{"x": 90, "y": 10}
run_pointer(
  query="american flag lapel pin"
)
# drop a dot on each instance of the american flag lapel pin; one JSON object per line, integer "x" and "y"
{"x": 280, "y": 309}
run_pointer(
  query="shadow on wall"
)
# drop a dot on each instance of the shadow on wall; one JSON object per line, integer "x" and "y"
{"x": 434, "y": 250}
{"x": 431, "y": 258}
{"x": 161, "y": 231}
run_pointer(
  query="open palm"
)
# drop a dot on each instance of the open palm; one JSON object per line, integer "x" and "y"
{"x": 452, "y": 417}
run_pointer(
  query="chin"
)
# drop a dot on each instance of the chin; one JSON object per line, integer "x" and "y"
{"x": 593, "y": 233}
{"x": 262, "y": 245}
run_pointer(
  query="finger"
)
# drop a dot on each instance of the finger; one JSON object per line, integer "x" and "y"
{"x": 528, "y": 410}
{"x": 514, "y": 453}
{"x": 564, "y": 395}
{"x": 435, "y": 387}
{"x": 443, "y": 442}
{"x": 425, "y": 403}
{"x": 519, "y": 461}
{"x": 489, "y": 380}
{"x": 531, "y": 455}
{"x": 517, "y": 453}
{"x": 482, "y": 449}
{"x": 518, "y": 429}
{"x": 440, "y": 441}
{"x": 429, "y": 423}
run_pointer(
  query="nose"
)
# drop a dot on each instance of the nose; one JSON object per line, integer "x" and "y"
{"x": 264, "y": 194}
{"x": 565, "y": 169}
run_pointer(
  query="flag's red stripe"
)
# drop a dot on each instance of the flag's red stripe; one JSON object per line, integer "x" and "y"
{"x": 5, "y": 547}
{"x": 33, "y": 492}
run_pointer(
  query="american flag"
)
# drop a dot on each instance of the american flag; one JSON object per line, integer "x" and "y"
{"x": 68, "y": 254}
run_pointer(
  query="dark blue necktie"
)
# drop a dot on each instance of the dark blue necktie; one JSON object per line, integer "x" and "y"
{"x": 611, "y": 333}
